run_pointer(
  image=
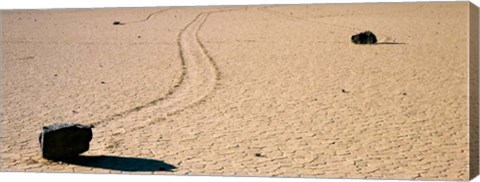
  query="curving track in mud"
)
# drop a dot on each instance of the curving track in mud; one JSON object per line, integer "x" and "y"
{"x": 148, "y": 17}
{"x": 198, "y": 78}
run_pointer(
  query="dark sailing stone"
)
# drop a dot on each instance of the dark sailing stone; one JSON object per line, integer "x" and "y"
{"x": 65, "y": 140}
{"x": 364, "y": 38}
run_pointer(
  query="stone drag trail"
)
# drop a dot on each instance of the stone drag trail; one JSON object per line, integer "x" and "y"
{"x": 198, "y": 78}
{"x": 197, "y": 72}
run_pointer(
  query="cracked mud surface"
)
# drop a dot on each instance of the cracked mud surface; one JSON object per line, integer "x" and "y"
{"x": 248, "y": 91}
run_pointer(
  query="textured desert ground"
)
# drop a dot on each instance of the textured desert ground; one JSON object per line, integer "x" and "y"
{"x": 242, "y": 90}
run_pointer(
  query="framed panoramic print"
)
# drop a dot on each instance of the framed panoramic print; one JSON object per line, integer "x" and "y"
{"x": 360, "y": 90}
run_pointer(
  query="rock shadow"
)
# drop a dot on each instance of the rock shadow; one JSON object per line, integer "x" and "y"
{"x": 390, "y": 43}
{"x": 121, "y": 163}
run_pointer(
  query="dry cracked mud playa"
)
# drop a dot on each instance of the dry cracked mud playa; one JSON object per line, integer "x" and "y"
{"x": 246, "y": 90}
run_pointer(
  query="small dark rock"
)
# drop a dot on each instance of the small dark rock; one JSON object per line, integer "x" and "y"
{"x": 63, "y": 141}
{"x": 258, "y": 154}
{"x": 139, "y": 36}
{"x": 344, "y": 91}
{"x": 102, "y": 82}
{"x": 55, "y": 75}
{"x": 75, "y": 112}
{"x": 404, "y": 93}
{"x": 364, "y": 38}
{"x": 117, "y": 23}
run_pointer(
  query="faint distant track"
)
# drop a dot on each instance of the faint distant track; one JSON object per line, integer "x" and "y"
{"x": 148, "y": 17}
{"x": 298, "y": 19}
{"x": 294, "y": 18}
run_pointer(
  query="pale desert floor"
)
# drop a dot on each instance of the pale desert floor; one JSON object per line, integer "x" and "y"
{"x": 246, "y": 91}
